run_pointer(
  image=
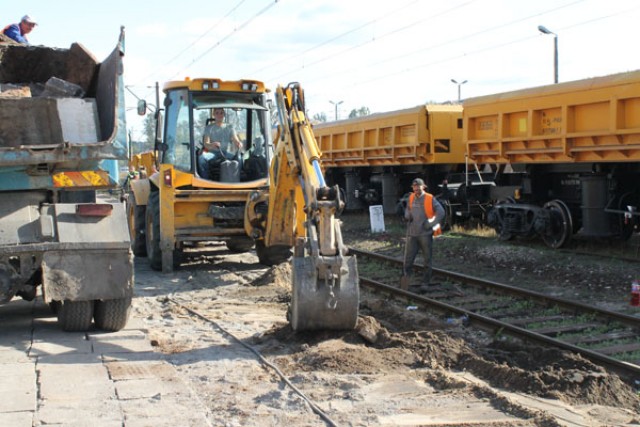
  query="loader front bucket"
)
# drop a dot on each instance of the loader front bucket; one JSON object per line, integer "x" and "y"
{"x": 315, "y": 304}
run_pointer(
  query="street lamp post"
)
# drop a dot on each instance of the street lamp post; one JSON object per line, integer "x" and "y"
{"x": 336, "y": 105}
{"x": 544, "y": 30}
{"x": 459, "y": 84}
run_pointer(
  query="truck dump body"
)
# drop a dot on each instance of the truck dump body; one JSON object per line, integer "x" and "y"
{"x": 592, "y": 120}
{"x": 44, "y": 123}
{"x": 61, "y": 130}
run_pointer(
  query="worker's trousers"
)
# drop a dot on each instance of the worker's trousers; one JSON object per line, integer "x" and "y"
{"x": 423, "y": 242}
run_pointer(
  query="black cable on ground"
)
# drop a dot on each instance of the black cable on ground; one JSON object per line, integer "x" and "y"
{"x": 262, "y": 359}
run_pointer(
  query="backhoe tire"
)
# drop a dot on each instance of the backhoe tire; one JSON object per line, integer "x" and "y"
{"x": 75, "y": 316}
{"x": 112, "y": 314}
{"x": 136, "y": 218}
{"x": 239, "y": 245}
{"x": 152, "y": 231}
{"x": 272, "y": 255}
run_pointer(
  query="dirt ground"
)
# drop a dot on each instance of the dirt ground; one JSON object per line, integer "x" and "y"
{"x": 400, "y": 367}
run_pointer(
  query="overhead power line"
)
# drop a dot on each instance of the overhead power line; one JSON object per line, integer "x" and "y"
{"x": 378, "y": 38}
{"x": 482, "y": 50}
{"x": 332, "y": 39}
{"x": 226, "y": 37}
{"x": 396, "y": 58}
{"x": 179, "y": 54}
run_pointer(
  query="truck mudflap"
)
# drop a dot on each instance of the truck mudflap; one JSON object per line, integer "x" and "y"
{"x": 317, "y": 303}
{"x": 91, "y": 258}
{"x": 85, "y": 275}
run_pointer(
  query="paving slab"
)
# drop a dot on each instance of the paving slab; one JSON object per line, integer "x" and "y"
{"x": 18, "y": 394}
{"x": 127, "y": 341}
{"x": 119, "y": 371}
{"x": 163, "y": 411}
{"x": 80, "y": 413}
{"x": 95, "y": 378}
{"x": 17, "y": 419}
{"x": 14, "y": 355}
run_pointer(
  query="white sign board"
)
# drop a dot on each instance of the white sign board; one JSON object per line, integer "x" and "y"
{"x": 377, "y": 219}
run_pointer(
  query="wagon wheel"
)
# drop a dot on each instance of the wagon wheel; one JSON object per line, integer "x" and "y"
{"x": 448, "y": 221}
{"x": 503, "y": 234}
{"x": 561, "y": 225}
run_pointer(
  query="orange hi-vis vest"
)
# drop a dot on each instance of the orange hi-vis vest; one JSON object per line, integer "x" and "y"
{"x": 428, "y": 210}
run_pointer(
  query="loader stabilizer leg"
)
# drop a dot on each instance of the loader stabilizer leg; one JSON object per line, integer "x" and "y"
{"x": 315, "y": 304}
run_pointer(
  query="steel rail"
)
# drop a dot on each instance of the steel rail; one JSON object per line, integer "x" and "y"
{"x": 625, "y": 319}
{"x": 625, "y": 369}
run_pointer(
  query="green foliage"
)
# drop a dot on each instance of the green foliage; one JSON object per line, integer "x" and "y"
{"x": 319, "y": 118}
{"x": 362, "y": 111}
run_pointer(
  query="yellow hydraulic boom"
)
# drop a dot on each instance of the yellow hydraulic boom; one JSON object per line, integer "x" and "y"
{"x": 302, "y": 212}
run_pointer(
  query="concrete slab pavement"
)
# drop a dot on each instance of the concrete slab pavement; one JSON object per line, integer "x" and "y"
{"x": 50, "y": 377}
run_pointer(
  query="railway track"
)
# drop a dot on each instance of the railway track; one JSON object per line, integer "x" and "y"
{"x": 604, "y": 337}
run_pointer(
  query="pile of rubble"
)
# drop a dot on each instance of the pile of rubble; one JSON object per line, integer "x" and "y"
{"x": 46, "y": 95}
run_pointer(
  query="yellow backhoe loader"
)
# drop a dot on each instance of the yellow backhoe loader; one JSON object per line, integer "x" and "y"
{"x": 195, "y": 187}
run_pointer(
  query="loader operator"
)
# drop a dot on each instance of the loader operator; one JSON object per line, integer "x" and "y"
{"x": 219, "y": 142}
{"x": 424, "y": 214}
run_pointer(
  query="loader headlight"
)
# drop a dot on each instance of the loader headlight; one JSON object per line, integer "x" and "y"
{"x": 249, "y": 87}
{"x": 213, "y": 84}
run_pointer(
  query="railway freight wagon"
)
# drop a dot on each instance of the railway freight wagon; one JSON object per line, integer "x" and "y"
{"x": 566, "y": 157}
{"x": 375, "y": 158}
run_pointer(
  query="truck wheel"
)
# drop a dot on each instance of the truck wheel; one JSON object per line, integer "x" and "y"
{"x": 239, "y": 245}
{"x": 54, "y": 306}
{"x": 112, "y": 314}
{"x": 136, "y": 218}
{"x": 152, "y": 229}
{"x": 75, "y": 315}
{"x": 272, "y": 255}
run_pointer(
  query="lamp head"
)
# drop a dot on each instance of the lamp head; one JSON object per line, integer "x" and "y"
{"x": 544, "y": 30}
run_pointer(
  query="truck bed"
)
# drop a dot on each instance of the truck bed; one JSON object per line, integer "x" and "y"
{"x": 42, "y": 126}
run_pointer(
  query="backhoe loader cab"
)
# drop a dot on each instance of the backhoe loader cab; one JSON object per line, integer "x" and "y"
{"x": 190, "y": 189}
{"x": 194, "y": 109}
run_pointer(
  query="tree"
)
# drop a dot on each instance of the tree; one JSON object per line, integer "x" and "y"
{"x": 362, "y": 111}
{"x": 319, "y": 118}
{"x": 149, "y": 129}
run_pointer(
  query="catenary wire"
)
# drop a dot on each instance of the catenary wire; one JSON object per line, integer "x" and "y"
{"x": 475, "y": 52}
{"x": 211, "y": 28}
{"x": 332, "y": 39}
{"x": 226, "y": 37}
{"x": 422, "y": 50}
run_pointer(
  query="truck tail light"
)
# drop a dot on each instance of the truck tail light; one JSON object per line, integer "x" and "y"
{"x": 168, "y": 181}
{"x": 94, "y": 209}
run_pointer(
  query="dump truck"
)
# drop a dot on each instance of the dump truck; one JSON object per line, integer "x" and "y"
{"x": 62, "y": 131}
{"x": 190, "y": 190}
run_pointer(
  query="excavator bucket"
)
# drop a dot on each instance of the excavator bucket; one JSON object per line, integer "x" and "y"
{"x": 317, "y": 303}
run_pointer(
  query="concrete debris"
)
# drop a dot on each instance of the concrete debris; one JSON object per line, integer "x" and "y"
{"x": 57, "y": 88}
{"x": 8, "y": 90}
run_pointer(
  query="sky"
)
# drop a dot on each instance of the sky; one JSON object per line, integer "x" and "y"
{"x": 348, "y": 54}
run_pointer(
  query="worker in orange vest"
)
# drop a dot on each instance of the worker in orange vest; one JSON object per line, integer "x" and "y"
{"x": 424, "y": 214}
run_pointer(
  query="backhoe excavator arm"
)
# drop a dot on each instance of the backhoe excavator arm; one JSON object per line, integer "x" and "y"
{"x": 302, "y": 213}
